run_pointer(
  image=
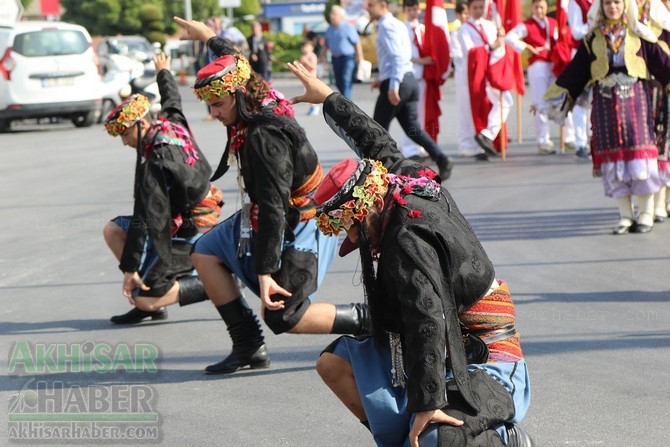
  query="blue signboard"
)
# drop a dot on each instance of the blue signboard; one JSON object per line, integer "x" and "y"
{"x": 276, "y": 10}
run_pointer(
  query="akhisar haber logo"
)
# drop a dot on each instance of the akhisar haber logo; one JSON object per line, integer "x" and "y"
{"x": 29, "y": 358}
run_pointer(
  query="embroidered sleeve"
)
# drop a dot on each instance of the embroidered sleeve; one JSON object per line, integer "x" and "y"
{"x": 572, "y": 81}
{"x": 169, "y": 91}
{"x": 423, "y": 321}
{"x": 220, "y": 46}
{"x": 270, "y": 188}
{"x": 559, "y": 103}
{"x": 363, "y": 134}
{"x": 151, "y": 215}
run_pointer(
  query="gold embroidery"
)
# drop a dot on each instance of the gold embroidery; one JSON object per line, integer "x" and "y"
{"x": 635, "y": 65}
{"x": 555, "y": 91}
{"x": 600, "y": 65}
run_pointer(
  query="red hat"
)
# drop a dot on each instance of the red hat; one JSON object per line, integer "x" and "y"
{"x": 216, "y": 66}
{"x": 346, "y": 194}
{"x": 222, "y": 77}
{"x": 345, "y": 172}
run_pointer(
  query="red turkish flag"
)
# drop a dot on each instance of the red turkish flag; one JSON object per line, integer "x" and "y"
{"x": 480, "y": 106}
{"x": 435, "y": 45}
{"x": 511, "y": 18}
{"x": 561, "y": 53}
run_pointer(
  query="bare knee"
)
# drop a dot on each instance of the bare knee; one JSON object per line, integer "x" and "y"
{"x": 113, "y": 233}
{"x": 332, "y": 368}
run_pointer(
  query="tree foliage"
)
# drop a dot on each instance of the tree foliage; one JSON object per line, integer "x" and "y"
{"x": 111, "y": 17}
{"x": 247, "y": 7}
{"x": 153, "y": 23}
{"x": 329, "y": 6}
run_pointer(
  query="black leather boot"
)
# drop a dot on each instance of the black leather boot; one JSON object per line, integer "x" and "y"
{"x": 351, "y": 319}
{"x": 516, "y": 437}
{"x": 191, "y": 290}
{"x": 247, "y": 336}
{"x": 137, "y": 315}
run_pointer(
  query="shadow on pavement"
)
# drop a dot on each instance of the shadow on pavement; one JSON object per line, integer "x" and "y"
{"x": 545, "y": 224}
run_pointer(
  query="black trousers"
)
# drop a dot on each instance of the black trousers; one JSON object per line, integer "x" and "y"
{"x": 407, "y": 114}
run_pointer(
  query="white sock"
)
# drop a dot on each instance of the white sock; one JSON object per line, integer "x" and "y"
{"x": 645, "y": 204}
{"x": 625, "y": 207}
{"x": 660, "y": 201}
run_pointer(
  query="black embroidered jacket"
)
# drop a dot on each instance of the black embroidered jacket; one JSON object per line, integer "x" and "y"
{"x": 430, "y": 269}
{"x": 165, "y": 185}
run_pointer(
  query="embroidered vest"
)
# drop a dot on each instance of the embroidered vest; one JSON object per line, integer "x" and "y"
{"x": 538, "y": 36}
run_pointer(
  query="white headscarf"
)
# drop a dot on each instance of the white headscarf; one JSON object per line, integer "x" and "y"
{"x": 596, "y": 17}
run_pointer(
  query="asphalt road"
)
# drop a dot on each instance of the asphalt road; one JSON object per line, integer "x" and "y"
{"x": 592, "y": 308}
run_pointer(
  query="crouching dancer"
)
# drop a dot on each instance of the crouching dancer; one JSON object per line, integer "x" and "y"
{"x": 443, "y": 364}
{"x": 272, "y": 245}
{"x": 174, "y": 204}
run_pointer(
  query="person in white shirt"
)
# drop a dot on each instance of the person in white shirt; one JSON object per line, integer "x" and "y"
{"x": 581, "y": 113}
{"x": 537, "y": 35}
{"x": 475, "y": 32}
{"x": 416, "y": 32}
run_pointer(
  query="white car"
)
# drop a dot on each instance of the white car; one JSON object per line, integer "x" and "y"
{"x": 137, "y": 48}
{"x": 48, "y": 69}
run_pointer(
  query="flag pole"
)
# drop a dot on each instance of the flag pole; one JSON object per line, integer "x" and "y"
{"x": 519, "y": 124}
{"x": 503, "y": 133}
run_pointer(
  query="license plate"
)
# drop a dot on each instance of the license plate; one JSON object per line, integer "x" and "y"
{"x": 57, "y": 82}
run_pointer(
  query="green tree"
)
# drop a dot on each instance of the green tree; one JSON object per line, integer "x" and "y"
{"x": 247, "y": 8}
{"x": 97, "y": 16}
{"x": 201, "y": 10}
{"x": 153, "y": 23}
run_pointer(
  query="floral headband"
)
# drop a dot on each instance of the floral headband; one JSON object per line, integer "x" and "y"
{"x": 127, "y": 114}
{"x": 222, "y": 77}
{"x": 331, "y": 220}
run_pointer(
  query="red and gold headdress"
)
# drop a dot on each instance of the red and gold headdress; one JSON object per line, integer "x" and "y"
{"x": 222, "y": 77}
{"x": 348, "y": 192}
{"x": 127, "y": 114}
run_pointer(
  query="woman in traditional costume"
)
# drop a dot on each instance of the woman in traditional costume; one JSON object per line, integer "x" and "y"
{"x": 616, "y": 57}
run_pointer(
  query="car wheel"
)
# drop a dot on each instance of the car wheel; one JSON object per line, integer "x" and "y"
{"x": 84, "y": 119}
{"x": 5, "y": 125}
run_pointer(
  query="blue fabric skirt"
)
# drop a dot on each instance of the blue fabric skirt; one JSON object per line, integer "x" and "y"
{"x": 386, "y": 406}
{"x": 222, "y": 240}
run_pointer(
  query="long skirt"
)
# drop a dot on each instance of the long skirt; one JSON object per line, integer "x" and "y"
{"x": 660, "y": 107}
{"x": 624, "y": 142}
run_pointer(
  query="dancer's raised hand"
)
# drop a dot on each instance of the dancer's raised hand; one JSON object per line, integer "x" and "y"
{"x": 316, "y": 91}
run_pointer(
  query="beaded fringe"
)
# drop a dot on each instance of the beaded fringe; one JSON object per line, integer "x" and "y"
{"x": 397, "y": 363}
